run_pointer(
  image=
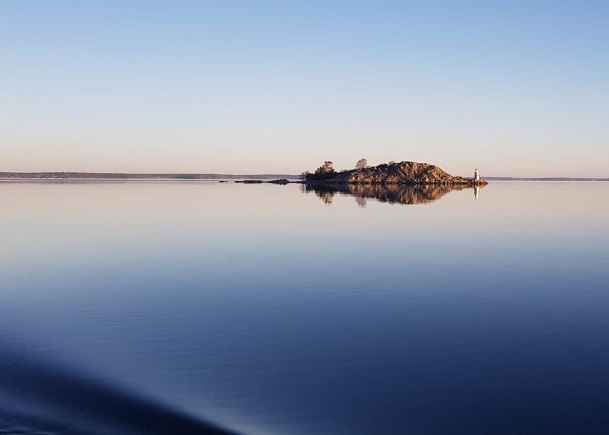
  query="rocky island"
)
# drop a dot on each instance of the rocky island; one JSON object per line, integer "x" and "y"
{"x": 402, "y": 173}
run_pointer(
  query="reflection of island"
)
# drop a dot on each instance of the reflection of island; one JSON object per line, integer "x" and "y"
{"x": 391, "y": 193}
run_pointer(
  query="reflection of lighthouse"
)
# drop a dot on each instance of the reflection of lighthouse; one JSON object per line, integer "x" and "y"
{"x": 476, "y": 175}
{"x": 476, "y": 192}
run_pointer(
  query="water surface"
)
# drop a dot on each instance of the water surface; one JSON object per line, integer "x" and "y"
{"x": 180, "y": 307}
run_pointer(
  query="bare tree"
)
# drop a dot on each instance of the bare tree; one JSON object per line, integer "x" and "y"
{"x": 361, "y": 164}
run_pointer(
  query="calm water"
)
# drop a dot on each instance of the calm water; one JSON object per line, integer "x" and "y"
{"x": 172, "y": 307}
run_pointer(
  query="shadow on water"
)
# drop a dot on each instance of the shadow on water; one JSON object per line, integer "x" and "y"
{"x": 391, "y": 193}
{"x": 39, "y": 398}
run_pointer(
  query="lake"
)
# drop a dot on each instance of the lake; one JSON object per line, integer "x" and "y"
{"x": 205, "y": 307}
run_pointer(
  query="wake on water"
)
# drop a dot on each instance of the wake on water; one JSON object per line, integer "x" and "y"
{"x": 39, "y": 398}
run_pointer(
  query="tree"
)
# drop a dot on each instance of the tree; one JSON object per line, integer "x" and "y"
{"x": 361, "y": 164}
{"x": 326, "y": 168}
{"x": 325, "y": 171}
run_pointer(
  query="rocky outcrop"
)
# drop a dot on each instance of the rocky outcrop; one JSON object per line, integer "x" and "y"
{"x": 280, "y": 181}
{"x": 407, "y": 173}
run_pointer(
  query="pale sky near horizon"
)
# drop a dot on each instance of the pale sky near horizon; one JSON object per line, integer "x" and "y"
{"x": 515, "y": 88}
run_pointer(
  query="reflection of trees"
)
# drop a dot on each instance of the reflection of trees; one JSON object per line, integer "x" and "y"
{"x": 326, "y": 196}
{"x": 392, "y": 193}
{"x": 361, "y": 201}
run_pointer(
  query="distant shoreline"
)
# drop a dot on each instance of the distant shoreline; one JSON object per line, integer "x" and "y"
{"x": 546, "y": 179}
{"x": 135, "y": 177}
{"x": 117, "y": 176}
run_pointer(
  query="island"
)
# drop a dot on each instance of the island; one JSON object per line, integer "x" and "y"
{"x": 393, "y": 173}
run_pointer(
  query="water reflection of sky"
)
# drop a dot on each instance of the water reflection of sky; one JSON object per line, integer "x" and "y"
{"x": 264, "y": 309}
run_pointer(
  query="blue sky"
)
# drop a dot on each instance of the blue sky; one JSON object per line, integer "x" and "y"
{"x": 514, "y": 88}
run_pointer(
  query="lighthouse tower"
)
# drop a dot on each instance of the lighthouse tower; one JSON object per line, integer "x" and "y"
{"x": 476, "y": 175}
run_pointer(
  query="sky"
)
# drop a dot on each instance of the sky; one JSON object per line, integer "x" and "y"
{"x": 515, "y": 88}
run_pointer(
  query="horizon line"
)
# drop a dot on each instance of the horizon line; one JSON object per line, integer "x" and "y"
{"x": 107, "y": 175}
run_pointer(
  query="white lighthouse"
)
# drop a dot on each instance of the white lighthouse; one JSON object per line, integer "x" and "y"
{"x": 476, "y": 175}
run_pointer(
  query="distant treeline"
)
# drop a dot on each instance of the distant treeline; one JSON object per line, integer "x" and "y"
{"x": 120, "y": 176}
{"x": 545, "y": 179}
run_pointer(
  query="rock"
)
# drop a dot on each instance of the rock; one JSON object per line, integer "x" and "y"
{"x": 409, "y": 173}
